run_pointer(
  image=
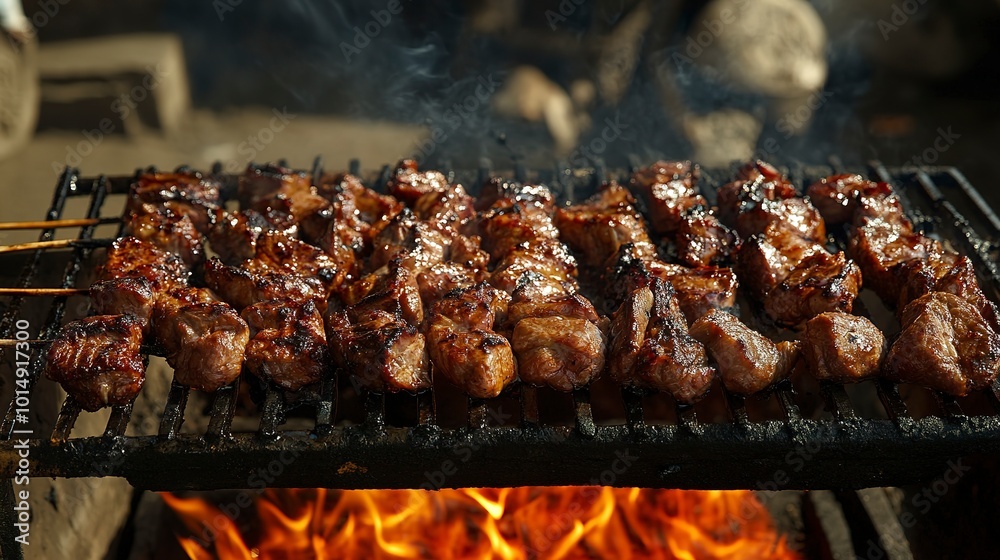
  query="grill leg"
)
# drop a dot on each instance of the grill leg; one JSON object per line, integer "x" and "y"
{"x": 8, "y": 517}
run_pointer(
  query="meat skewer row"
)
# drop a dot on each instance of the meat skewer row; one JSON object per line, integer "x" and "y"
{"x": 783, "y": 261}
{"x": 163, "y": 209}
{"x": 676, "y": 209}
{"x": 555, "y": 332}
{"x": 416, "y": 258}
{"x": 949, "y": 339}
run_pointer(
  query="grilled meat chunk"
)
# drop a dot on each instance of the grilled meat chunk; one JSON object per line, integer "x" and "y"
{"x": 130, "y": 257}
{"x": 547, "y": 260}
{"x": 184, "y": 193}
{"x": 945, "y": 344}
{"x": 124, "y": 296}
{"x": 702, "y": 240}
{"x": 842, "y": 348}
{"x": 242, "y": 287}
{"x": 97, "y": 360}
{"x": 408, "y": 183}
{"x": 837, "y": 197}
{"x": 234, "y": 235}
{"x": 651, "y": 347}
{"x": 598, "y": 227}
{"x": 171, "y": 231}
{"x": 287, "y": 343}
{"x": 420, "y": 243}
{"x": 447, "y": 210}
{"x": 697, "y": 290}
{"x": 277, "y": 252}
{"x": 755, "y": 182}
{"x": 508, "y": 224}
{"x": 361, "y": 209}
{"x": 439, "y": 279}
{"x": 879, "y": 246}
{"x": 669, "y": 191}
{"x": 747, "y": 361}
{"x": 463, "y": 344}
{"x": 497, "y": 189}
{"x": 204, "y": 339}
{"x": 381, "y": 350}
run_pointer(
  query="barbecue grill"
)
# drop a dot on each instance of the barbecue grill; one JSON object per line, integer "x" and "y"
{"x": 517, "y": 439}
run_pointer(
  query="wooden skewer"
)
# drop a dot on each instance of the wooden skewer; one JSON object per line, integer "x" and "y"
{"x": 56, "y": 244}
{"x": 43, "y": 291}
{"x": 12, "y": 342}
{"x": 52, "y": 224}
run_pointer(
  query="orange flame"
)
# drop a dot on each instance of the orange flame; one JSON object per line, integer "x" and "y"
{"x": 503, "y": 523}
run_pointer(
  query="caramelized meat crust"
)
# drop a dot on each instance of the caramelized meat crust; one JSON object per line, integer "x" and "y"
{"x": 124, "y": 296}
{"x": 842, "y": 348}
{"x": 651, "y": 347}
{"x": 242, "y": 288}
{"x": 747, "y": 361}
{"x": 287, "y": 343}
{"x": 233, "y": 235}
{"x": 173, "y": 232}
{"x": 945, "y": 344}
{"x": 204, "y": 340}
{"x": 598, "y": 227}
{"x": 408, "y": 183}
{"x": 702, "y": 240}
{"x": 130, "y": 257}
{"x": 669, "y": 192}
{"x": 463, "y": 344}
{"x": 373, "y": 340}
{"x": 97, "y": 360}
{"x": 185, "y": 193}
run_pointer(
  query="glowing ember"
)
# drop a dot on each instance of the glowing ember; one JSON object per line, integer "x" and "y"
{"x": 507, "y": 523}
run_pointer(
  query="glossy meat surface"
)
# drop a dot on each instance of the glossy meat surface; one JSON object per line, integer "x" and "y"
{"x": 242, "y": 288}
{"x": 287, "y": 343}
{"x": 463, "y": 345}
{"x": 128, "y": 257}
{"x": 233, "y": 235}
{"x": 843, "y": 348}
{"x": 748, "y": 362}
{"x": 124, "y": 296}
{"x": 97, "y": 360}
{"x": 168, "y": 230}
{"x": 187, "y": 193}
{"x": 945, "y": 344}
{"x": 408, "y": 183}
{"x": 669, "y": 190}
{"x": 702, "y": 240}
{"x": 204, "y": 340}
{"x": 650, "y": 346}
{"x": 597, "y": 228}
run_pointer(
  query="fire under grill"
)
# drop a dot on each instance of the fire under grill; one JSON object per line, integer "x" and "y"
{"x": 794, "y": 436}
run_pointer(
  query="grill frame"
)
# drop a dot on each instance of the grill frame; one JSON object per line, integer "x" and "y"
{"x": 848, "y": 451}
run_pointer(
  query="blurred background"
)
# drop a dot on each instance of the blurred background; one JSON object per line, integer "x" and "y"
{"x": 112, "y": 85}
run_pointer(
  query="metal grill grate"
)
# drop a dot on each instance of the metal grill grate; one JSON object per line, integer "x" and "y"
{"x": 688, "y": 447}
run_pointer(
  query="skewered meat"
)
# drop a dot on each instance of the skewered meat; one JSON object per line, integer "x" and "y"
{"x": 498, "y": 190}
{"x": 702, "y": 240}
{"x": 651, "y": 346}
{"x": 132, "y": 296}
{"x": 287, "y": 343}
{"x": 783, "y": 262}
{"x": 439, "y": 279}
{"x": 509, "y": 224}
{"x": 408, "y": 184}
{"x": 183, "y": 193}
{"x": 375, "y": 343}
{"x": 361, "y": 209}
{"x": 697, "y": 290}
{"x": 557, "y": 340}
{"x": 204, "y": 340}
{"x": 242, "y": 287}
{"x": 168, "y": 230}
{"x": 97, "y": 360}
{"x": 898, "y": 262}
{"x": 842, "y": 347}
{"x": 130, "y": 257}
{"x": 675, "y": 208}
{"x": 448, "y": 210}
{"x": 422, "y": 244}
{"x": 669, "y": 191}
{"x": 463, "y": 344}
{"x": 598, "y": 227}
{"x": 280, "y": 253}
{"x": 945, "y": 344}
{"x": 547, "y": 260}
{"x": 747, "y": 361}
{"x": 234, "y": 235}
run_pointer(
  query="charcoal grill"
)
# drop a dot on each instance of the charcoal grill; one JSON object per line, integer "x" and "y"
{"x": 840, "y": 445}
